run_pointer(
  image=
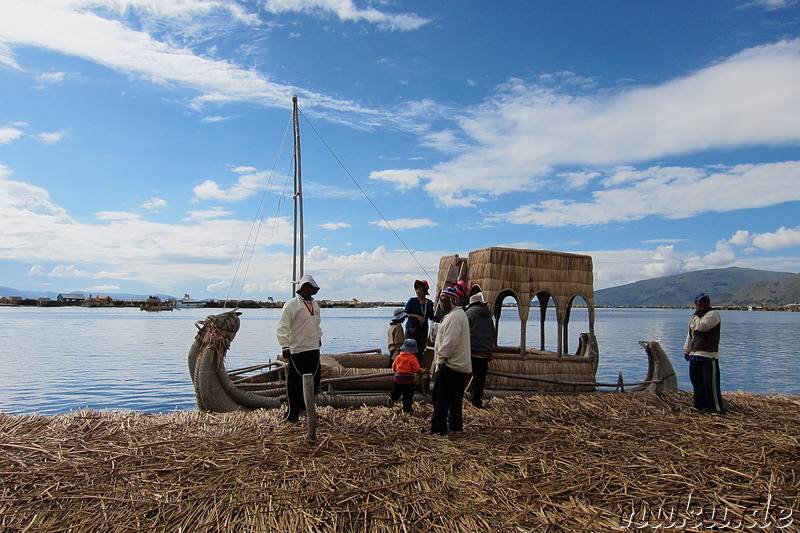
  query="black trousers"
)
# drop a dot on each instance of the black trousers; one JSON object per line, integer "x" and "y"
{"x": 299, "y": 364}
{"x": 480, "y": 366}
{"x": 406, "y": 390}
{"x": 704, "y": 375}
{"x": 448, "y": 393}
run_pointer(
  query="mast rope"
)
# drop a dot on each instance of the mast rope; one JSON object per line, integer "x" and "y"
{"x": 375, "y": 207}
{"x": 255, "y": 227}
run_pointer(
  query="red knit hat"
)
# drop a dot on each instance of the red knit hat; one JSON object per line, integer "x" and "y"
{"x": 423, "y": 283}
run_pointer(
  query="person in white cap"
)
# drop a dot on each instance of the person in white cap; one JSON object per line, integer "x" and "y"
{"x": 300, "y": 337}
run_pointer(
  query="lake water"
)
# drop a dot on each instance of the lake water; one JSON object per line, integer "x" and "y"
{"x": 60, "y": 359}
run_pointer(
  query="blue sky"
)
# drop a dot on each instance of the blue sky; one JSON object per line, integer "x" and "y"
{"x": 140, "y": 141}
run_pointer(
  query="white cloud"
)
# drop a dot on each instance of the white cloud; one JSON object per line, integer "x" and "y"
{"x": 248, "y": 184}
{"x": 116, "y": 215}
{"x": 69, "y": 271}
{"x": 741, "y": 238}
{"x": 208, "y": 214}
{"x": 51, "y": 77}
{"x": 101, "y": 288}
{"x": 51, "y": 138}
{"x": 220, "y": 286}
{"x": 35, "y": 270}
{"x": 98, "y": 30}
{"x": 335, "y": 225}
{"x": 215, "y": 119}
{"x": 670, "y": 192}
{"x": 347, "y": 10}
{"x": 402, "y": 179}
{"x": 770, "y": 5}
{"x": 782, "y": 238}
{"x": 8, "y": 134}
{"x": 154, "y": 204}
{"x": 526, "y": 131}
{"x": 405, "y": 223}
{"x": 7, "y": 57}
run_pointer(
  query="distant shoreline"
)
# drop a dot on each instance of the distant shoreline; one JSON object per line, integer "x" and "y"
{"x": 353, "y": 304}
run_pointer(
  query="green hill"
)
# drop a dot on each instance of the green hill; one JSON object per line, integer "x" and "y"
{"x": 726, "y": 286}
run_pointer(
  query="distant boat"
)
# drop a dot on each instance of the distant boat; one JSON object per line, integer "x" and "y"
{"x": 188, "y": 302}
{"x": 556, "y": 280}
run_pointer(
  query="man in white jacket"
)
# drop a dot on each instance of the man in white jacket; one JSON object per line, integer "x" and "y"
{"x": 300, "y": 337}
{"x": 452, "y": 360}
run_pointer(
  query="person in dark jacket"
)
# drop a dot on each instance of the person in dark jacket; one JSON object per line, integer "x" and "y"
{"x": 481, "y": 339}
{"x": 701, "y": 349}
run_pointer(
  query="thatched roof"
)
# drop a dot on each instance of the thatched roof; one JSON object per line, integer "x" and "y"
{"x": 546, "y": 463}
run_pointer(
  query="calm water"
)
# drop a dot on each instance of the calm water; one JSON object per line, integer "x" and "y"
{"x": 61, "y": 359}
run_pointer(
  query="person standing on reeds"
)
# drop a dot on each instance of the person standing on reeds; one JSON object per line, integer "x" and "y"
{"x": 701, "y": 349}
{"x": 481, "y": 342}
{"x": 405, "y": 366}
{"x": 420, "y": 310}
{"x": 300, "y": 337}
{"x": 452, "y": 362}
{"x": 396, "y": 333}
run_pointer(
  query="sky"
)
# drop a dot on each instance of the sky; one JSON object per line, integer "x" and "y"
{"x": 145, "y": 145}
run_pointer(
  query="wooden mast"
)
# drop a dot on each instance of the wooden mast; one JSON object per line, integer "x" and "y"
{"x": 298, "y": 251}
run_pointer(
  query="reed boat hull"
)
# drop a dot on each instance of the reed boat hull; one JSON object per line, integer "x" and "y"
{"x": 365, "y": 378}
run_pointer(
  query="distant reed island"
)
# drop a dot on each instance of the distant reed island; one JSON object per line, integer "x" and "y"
{"x": 165, "y": 302}
{"x": 168, "y": 303}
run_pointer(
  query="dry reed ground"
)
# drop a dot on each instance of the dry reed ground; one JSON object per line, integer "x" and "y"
{"x": 545, "y": 463}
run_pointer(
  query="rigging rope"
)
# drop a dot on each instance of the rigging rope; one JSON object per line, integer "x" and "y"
{"x": 375, "y": 207}
{"x": 255, "y": 227}
{"x": 258, "y": 221}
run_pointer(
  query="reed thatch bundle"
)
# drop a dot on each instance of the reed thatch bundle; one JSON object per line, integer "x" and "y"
{"x": 543, "y": 463}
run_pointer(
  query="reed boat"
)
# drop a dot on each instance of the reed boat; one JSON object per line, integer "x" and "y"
{"x": 556, "y": 280}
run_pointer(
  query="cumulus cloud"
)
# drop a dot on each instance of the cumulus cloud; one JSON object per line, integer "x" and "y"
{"x": 335, "y": 225}
{"x": 220, "y": 286}
{"x": 405, "y": 223}
{"x": 780, "y": 239}
{"x": 35, "y": 270}
{"x": 102, "y": 32}
{"x": 248, "y": 184}
{"x": 8, "y": 134}
{"x": 347, "y": 10}
{"x": 51, "y": 138}
{"x": 50, "y": 77}
{"x": 101, "y": 288}
{"x": 526, "y": 131}
{"x": 154, "y": 204}
{"x": 208, "y": 214}
{"x": 670, "y": 192}
{"x": 69, "y": 271}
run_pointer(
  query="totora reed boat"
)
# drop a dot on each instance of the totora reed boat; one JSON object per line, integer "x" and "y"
{"x": 557, "y": 281}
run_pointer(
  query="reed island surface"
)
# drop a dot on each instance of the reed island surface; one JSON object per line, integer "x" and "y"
{"x": 595, "y": 462}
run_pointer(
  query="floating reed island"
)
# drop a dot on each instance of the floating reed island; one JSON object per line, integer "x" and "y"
{"x": 599, "y": 462}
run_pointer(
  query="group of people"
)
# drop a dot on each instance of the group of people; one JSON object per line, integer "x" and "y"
{"x": 463, "y": 346}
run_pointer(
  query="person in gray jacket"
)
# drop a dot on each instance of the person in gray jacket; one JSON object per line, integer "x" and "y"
{"x": 481, "y": 340}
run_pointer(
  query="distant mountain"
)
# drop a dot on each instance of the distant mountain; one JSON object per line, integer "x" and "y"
{"x": 33, "y": 295}
{"x": 780, "y": 292}
{"x": 726, "y": 286}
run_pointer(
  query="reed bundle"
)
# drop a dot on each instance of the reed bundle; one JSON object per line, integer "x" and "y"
{"x": 542, "y": 463}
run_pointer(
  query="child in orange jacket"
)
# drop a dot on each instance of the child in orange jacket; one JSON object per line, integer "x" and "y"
{"x": 405, "y": 366}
